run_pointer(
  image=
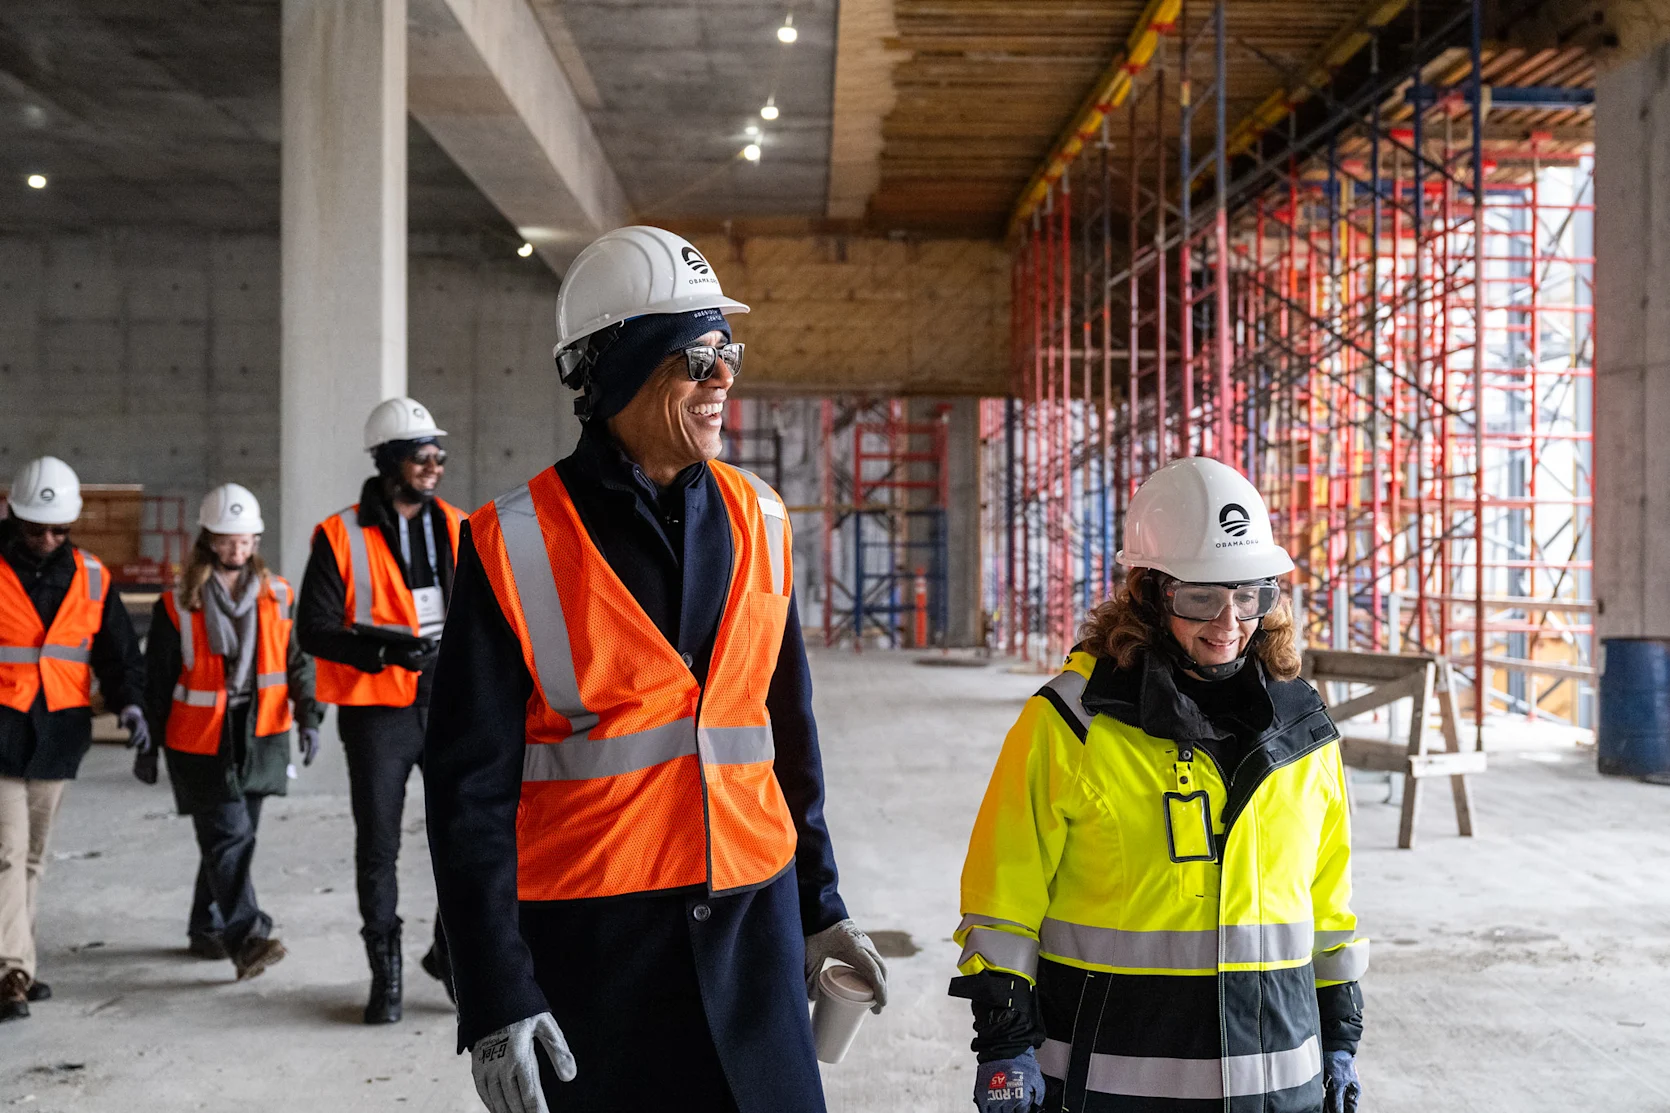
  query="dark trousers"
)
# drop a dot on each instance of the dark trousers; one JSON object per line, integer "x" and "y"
{"x": 224, "y": 902}
{"x": 383, "y": 745}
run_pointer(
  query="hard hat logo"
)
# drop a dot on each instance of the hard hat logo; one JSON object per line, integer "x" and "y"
{"x": 693, "y": 259}
{"x": 1234, "y": 520}
{"x": 48, "y": 494}
{"x": 237, "y": 508}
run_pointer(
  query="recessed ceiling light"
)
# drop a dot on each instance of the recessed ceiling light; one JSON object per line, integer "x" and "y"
{"x": 751, "y": 131}
{"x": 769, "y": 110}
{"x": 525, "y": 250}
{"x": 36, "y": 181}
{"x": 786, "y": 33}
{"x": 751, "y": 152}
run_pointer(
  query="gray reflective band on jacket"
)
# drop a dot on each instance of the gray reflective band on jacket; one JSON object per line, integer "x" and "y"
{"x": 1070, "y": 687}
{"x": 359, "y": 567}
{"x": 582, "y": 759}
{"x": 1002, "y": 948}
{"x": 775, "y": 530}
{"x": 536, "y": 589}
{"x": 193, "y": 698}
{"x": 1189, "y": 1079}
{"x": 736, "y": 745}
{"x": 188, "y": 651}
{"x": 1345, "y": 964}
{"x": 271, "y": 680}
{"x": 282, "y": 591}
{"x": 95, "y": 578}
{"x": 1176, "y": 950}
{"x": 32, "y": 654}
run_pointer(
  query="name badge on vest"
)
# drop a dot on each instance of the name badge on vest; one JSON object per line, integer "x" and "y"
{"x": 431, "y": 611}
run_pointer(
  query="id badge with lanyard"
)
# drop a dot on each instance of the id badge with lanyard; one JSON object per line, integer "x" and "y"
{"x": 431, "y": 603}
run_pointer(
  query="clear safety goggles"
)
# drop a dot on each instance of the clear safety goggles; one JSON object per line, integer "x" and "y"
{"x": 1205, "y": 602}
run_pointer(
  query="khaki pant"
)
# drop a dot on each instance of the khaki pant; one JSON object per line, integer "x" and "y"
{"x": 26, "y": 811}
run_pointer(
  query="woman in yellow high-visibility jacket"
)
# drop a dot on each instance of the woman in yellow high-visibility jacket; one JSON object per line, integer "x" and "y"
{"x": 1156, "y": 900}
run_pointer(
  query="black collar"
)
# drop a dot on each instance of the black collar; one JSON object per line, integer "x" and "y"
{"x": 600, "y": 458}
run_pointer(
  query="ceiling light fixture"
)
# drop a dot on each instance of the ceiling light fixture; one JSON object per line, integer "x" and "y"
{"x": 786, "y": 33}
{"x": 36, "y": 181}
{"x": 751, "y": 152}
{"x": 751, "y": 131}
{"x": 768, "y": 111}
{"x": 525, "y": 250}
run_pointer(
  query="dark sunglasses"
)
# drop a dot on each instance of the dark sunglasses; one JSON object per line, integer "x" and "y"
{"x": 1205, "y": 602}
{"x": 702, "y": 359}
{"x": 35, "y": 529}
{"x": 429, "y": 459}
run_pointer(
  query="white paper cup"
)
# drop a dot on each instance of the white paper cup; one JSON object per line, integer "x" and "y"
{"x": 843, "y": 999}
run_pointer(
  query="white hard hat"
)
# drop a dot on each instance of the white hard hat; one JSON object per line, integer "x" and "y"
{"x": 399, "y": 419}
{"x": 631, "y": 272}
{"x": 46, "y": 492}
{"x": 1202, "y": 521}
{"x": 231, "y": 508}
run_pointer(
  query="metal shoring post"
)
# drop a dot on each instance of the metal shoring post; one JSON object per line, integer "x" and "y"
{"x": 1375, "y": 503}
{"x": 1226, "y": 355}
{"x": 826, "y": 422}
{"x": 1035, "y": 436}
{"x": 1087, "y": 474}
{"x": 1063, "y": 424}
{"x": 1133, "y": 393}
{"x": 1424, "y": 417}
{"x": 1105, "y": 457}
{"x": 1534, "y": 548}
{"x": 1185, "y": 260}
{"x": 1162, "y": 449}
{"x": 1335, "y": 532}
{"x": 1476, "y": 91}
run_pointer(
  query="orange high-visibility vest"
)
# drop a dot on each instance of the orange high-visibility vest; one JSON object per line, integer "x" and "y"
{"x": 635, "y": 777}
{"x": 33, "y": 657}
{"x": 377, "y": 595}
{"x": 195, "y": 719}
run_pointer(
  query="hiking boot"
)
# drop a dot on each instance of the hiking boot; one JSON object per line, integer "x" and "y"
{"x": 14, "y": 995}
{"x": 256, "y": 955}
{"x": 38, "y": 991}
{"x": 383, "y": 953}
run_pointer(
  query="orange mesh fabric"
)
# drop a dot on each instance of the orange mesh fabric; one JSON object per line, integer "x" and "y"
{"x": 67, "y": 683}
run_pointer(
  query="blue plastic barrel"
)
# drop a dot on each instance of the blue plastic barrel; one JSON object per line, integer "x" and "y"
{"x": 1633, "y": 739}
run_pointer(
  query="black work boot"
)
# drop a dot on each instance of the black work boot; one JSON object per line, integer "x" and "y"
{"x": 383, "y": 952}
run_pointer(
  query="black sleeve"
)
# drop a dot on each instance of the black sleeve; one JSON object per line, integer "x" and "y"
{"x": 1341, "y": 1008}
{"x": 299, "y": 669}
{"x": 319, "y": 614}
{"x": 115, "y": 657}
{"x": 1006, "y": 1021}
{"x": 162, "y": 670}
{"x": 799, "y": 769}
{"x": 472, "y": 782}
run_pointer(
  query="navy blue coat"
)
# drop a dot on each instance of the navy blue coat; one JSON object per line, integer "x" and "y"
{"x": 673, "y": 999}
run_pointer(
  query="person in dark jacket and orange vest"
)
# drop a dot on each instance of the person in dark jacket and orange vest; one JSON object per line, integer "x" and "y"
{"x": 372, "y": 604}
{"x": 61, "y": 625}
{"x": 223, "y": 673}
{"x": 625, "y": 794}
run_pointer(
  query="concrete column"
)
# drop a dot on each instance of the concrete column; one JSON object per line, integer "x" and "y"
{"x": 343, "y": 252}
{"x": 1632, "y": 368}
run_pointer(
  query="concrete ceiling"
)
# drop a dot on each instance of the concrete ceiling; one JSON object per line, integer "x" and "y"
{"x": 677, "y": 81}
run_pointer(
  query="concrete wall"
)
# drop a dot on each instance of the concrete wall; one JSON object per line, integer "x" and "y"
{"x": 1632, "y": 329}
{"x": 152, "y": 357}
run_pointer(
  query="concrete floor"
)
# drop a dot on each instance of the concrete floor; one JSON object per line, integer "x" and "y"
{"x": 1519, "y": 971}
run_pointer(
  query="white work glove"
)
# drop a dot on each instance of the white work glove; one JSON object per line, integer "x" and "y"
{"x": 506, "y": 1069}
{"x": 844, "y": 943}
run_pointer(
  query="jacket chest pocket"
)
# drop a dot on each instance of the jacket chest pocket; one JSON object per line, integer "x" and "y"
{"x": 765, "y": 615}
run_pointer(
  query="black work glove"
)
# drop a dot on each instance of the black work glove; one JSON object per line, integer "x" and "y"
{"x": 417, "y": 656}
{"x": 145, "y": 765}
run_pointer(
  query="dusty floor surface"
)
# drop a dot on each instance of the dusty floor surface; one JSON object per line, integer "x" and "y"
{"x": 1521, "y": 971}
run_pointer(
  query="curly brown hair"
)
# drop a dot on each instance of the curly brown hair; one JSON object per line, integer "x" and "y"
{"x": 1123, "y": 627}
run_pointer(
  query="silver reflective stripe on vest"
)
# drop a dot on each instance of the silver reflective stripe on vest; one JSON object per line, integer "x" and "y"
{"x": 582, "y": 759}
{"x": 775, "y": 531}
{"x": 1346, "y": 964}
{"x": 188, "y": 652}
{"x": 553, "y": 658}
{"x": 95, "y": 578}
{"x": 271, "y": 680}
{"x": 736, "y": 745}
{"x": 282, "y": 591}
{"x": 1176, "y": 950}
{"x": 359, "y": 566}
{"x": 19, "y": 654}
{"x": 1002, "y": 948}
{"x": 66, "y": 653}
{"x": 192, "y": 698}
{"x": 1070, "y": 687}
{"x": 1189, "y": 1079}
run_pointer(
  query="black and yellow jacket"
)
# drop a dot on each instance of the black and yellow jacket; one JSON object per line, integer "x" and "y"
{"x": 1187, "y": 928}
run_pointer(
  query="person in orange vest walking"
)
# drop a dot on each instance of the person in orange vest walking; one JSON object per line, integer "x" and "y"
{"x": 225, "y": 681}
{"x": 624, "y": 786}
{"x": 373, "y": 600}
{"x": 61, "y": 624}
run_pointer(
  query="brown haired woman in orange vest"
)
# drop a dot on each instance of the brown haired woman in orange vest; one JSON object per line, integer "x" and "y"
{"x": 372, "y": 603}
{"x": 223, "y": 673}
{"x": 61, "y": 624}
{"x": 624, "y": 787}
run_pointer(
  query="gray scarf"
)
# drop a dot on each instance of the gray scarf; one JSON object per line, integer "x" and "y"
{"x": 231, "y": 626}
